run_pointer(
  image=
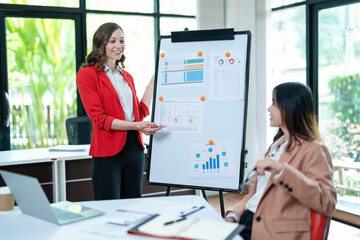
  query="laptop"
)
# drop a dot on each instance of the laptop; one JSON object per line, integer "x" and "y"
{"x": 32, "y": 201}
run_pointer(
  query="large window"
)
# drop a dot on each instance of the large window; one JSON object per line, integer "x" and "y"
{"x": 287, "y": 52}
{"x": 331, "y": 68}
{"x": 339, "y": 98}
{"x": 41, "y": 73}
{"x": 43, "y": 43}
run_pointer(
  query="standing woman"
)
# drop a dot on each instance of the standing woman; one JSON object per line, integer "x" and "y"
{"x": 108, "y": 94}
{"x": 295, "y": 176}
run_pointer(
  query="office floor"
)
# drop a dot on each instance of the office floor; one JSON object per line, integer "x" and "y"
{"x": 337, "y": 230}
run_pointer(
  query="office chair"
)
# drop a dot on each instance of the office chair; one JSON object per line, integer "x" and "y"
{"x": 79, "y": 130}
{"x": 320, "y": 226}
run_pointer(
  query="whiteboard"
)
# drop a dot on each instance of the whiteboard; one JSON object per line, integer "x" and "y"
{"x": 200, "y": 95}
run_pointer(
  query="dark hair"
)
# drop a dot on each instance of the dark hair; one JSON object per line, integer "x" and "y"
{"x": 98, "y": 53}
{"x": 296, "y": 106}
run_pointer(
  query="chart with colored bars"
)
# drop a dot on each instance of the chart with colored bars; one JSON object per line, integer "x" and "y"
{"x": 211, "y": 161}
{"x": 180, "y": 70}
{"x": 181, "y": 116}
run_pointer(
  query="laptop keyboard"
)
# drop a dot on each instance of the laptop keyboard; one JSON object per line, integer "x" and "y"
{"x": 65, "y": 215}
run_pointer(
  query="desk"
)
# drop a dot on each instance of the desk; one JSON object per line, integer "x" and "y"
{"x": 64, "y": 175}
{"x": 47, "y": 166}
{"x": 15, "y": 225}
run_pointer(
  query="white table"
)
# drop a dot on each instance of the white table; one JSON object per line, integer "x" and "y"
{"x": 15, "y": 225}
{"x": 43, "y": 155}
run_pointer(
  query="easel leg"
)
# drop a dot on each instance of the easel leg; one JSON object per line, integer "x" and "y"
{"x": 204, "y": 194}
{"x": 222, "y": 203}
{"x": 168, "y": 191}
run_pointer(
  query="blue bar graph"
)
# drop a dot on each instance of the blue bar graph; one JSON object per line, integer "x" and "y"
{"x": 191, "y": 61}
{"x": 212, "y": 163}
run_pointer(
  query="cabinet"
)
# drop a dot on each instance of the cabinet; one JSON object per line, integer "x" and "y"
{"x": 42, "y": 171}
{"x": 79, "y": 184}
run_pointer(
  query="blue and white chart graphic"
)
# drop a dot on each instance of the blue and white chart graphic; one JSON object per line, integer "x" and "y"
{"x": 211, "y": 161}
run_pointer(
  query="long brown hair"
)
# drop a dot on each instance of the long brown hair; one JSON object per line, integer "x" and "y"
{"x": 296, "y": 106}
{"x": 98, "y": 53}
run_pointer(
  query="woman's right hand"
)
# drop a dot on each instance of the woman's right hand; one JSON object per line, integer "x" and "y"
{"x": 148, "y": 128}
{"x": 230, "y": 219}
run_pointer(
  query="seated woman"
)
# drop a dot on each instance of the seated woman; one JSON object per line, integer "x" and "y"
{"x": 295, "y": 176}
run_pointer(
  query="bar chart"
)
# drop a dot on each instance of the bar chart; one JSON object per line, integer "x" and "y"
{"x": 180, "y": 70}
{"x": 211, "y": 161}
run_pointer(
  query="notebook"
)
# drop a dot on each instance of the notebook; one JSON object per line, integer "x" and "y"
{"x": 170, "y": 227}
{"x": 32, "y": 201}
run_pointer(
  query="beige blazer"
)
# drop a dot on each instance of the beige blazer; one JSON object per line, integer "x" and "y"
{"x": 284, "y": 210}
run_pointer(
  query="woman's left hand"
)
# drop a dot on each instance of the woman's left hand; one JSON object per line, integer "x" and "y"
{"x": 269, "y": 165}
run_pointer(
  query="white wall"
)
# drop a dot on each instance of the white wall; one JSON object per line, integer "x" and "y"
{"x": 245, "y": 15}
{"x": 210, "y": 14}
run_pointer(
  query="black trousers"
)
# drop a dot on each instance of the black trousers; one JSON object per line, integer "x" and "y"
{"x": 120, "y": 176}
{"x": 247, "y": 219}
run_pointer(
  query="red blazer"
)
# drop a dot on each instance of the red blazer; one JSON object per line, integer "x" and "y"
{"x": 102, "y": 104}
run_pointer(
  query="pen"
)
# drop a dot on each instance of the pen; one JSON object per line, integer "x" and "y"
{"x": 175, "y": 221}
{"x": 191, "y": 210}
{"x": 150, "y": 126}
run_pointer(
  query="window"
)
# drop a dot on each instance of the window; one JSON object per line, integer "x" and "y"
{"x": 55, "y": 3}
{"x": 41, "y": 73}
{"x": 339, "y": 98}
{"x": 333, "y": 74}
{"x": 45, "y": 45}
{"x": 287, "y": 52}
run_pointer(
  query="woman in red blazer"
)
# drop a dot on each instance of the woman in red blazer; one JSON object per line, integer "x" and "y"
{"x": 109, "y": 97}
{"x": 294, "y": 177}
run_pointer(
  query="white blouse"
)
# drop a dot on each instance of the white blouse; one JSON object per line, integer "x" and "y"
{"x": 123, "y": 90}
{"x": 275, "y": 153}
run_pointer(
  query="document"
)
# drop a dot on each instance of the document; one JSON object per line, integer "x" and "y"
{"x": 167, "y": 226}
{"x": 181, "y": 116}
{"x": 126, "y": 217}
{"x": 227, "y": 76}
{"x": 70, "y": 148}
{"x": 156, "y": 206}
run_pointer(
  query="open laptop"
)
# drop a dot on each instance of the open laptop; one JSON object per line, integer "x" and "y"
{"x": 32, "y": 200}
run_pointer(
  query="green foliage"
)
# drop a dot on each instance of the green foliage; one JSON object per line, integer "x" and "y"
{"x": 41, "y": 62}
{"x": 345, "y": 106}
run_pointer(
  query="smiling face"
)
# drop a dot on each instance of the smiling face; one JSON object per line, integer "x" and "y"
{"x": 114, "y": 48}
{"x": 275, "y": 114}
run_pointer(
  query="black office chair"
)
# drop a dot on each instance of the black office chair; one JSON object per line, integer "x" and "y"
{"x": 79, "y": 130}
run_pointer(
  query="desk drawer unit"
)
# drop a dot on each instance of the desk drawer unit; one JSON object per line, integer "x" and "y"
{"x": 41, "y": 171}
